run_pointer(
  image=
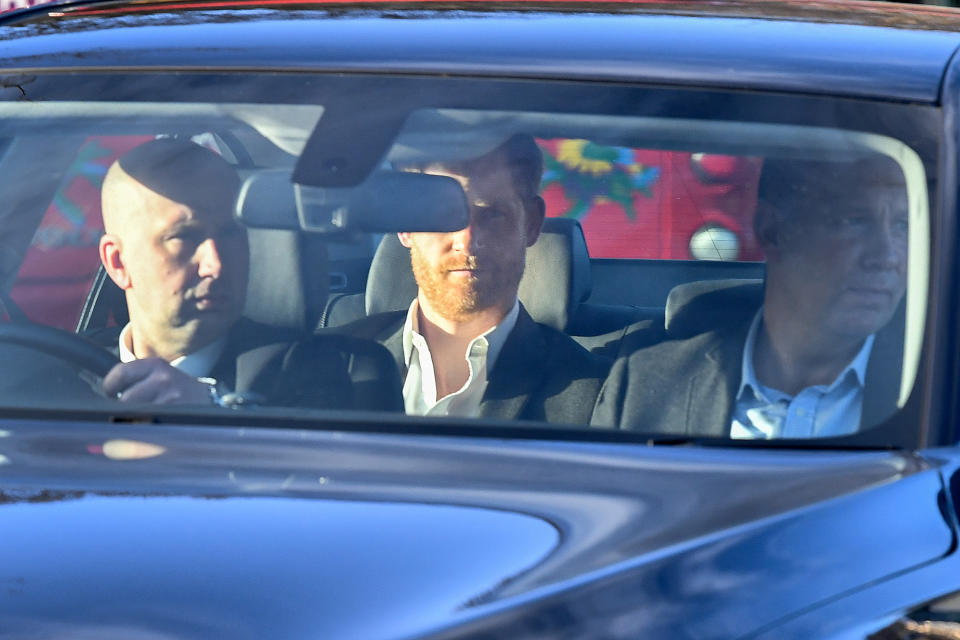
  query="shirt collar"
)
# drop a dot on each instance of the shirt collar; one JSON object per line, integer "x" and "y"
{"x": 197, "y": 364}
{"x": 748, "y": 375}
{"x": 495, "y": 336}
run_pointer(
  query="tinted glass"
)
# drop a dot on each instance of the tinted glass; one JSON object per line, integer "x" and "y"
{"x": 726, "y": 266}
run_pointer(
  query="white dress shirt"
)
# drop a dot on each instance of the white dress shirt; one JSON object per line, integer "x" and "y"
{"x": 198, "y": 364}
{"x": 420, "y": 386}
{"x": 816, "y": 412}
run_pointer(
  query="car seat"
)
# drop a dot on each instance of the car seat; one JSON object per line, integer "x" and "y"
{"x": 704, "y": 305}
{"x": 555, "y": 286}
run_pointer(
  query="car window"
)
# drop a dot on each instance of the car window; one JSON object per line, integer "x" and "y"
{"x": 59, "y": 266}
{"x": 654, "y": 204}
{"x": 781, "y": 242}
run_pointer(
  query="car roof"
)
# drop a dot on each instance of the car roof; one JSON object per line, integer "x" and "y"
{"x": 855, "y": 49}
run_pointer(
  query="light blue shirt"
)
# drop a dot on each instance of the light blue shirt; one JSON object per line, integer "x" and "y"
{"x": 816, "y": 412}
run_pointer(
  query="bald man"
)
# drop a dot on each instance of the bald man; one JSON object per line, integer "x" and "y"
{"x": 172, "y": 245}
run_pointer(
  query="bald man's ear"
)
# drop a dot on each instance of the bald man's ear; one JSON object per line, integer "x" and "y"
{"x": 112, "y": 260}
{"x": 766, "y": 228}
{"x": 536, "y": 211}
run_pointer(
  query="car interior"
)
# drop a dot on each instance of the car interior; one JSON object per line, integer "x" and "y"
{"x": 336, "y": 279}
{"x": 331, "y": 243}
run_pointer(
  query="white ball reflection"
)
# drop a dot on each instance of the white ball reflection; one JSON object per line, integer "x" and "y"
{"x": 713, "y": 242}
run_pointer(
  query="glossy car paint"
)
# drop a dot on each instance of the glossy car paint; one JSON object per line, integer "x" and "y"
{"x": 874, "y": 606}
{"x": 943, "y": 373}
{"x": 767, "y": 54}
{"x": 250, "y": 532}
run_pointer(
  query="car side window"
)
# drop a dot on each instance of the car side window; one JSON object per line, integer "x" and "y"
{"x": 636, "y": 203}
{"x": 61, "y": 261}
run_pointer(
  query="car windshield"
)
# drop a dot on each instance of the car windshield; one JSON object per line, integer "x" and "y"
{"x": 457, "y": 253}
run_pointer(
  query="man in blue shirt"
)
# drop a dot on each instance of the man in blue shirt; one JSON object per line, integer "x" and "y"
{"x": 805, "y": 363}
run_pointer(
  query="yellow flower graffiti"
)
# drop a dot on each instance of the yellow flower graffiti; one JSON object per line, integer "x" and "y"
{"x": 570, "y": 154}
{"x": 593, "y": 174}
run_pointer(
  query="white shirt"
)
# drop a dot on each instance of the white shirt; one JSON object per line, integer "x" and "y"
{"x": 198, "y": 364}
{"x": 815, "y": 412}
{"x": 420, "y": 386}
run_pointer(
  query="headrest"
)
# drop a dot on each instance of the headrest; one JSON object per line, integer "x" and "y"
{"x": 556, "y": 279}
{"x": 698, "y": 307}
{"x": 390, "y": 282}
{"x": 288, "y": 278}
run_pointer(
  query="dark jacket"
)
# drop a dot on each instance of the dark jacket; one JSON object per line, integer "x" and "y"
{"x": 541, "y": 374}
{"x": 689, "y": 386}
{"x": 282, "y": 367}
{"x": 240, "y": 367}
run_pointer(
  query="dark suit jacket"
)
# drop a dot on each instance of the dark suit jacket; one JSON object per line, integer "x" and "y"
{"x": 239, "y": 368}
{"x": 541, "y": 374}
{"x": 688, "y": 386}
{"x": 282, "y": 367}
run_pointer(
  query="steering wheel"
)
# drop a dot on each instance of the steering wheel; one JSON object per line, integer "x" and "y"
{"x": 66, "y": 346}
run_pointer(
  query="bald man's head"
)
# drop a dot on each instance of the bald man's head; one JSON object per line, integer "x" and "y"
{"x": 122, "y": 200}
{"x": 172, "y": 244}
{"x": 179, "y": 170}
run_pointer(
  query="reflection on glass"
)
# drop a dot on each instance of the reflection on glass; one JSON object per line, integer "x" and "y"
{"x": 131, "y": 450}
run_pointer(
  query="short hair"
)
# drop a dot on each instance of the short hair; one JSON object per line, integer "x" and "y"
{"x": 524, "y": 159}
{"x": 526, "y": 163}
{"x": 787, "y": 182}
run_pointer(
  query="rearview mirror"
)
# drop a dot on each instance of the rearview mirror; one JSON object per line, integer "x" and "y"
{"x": 387, "y": 201}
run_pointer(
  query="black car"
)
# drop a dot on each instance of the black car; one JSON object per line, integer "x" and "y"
{"x": 664, "y": 128}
